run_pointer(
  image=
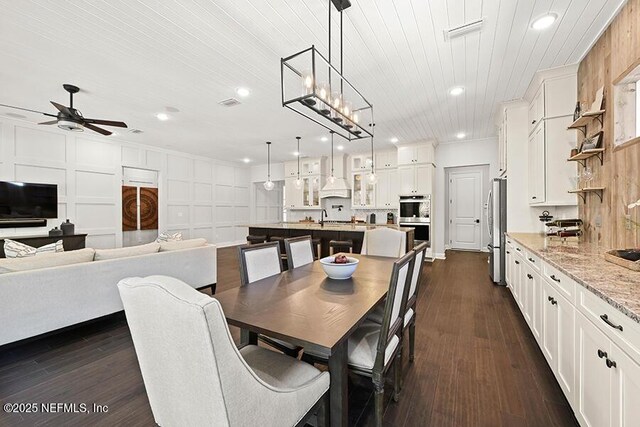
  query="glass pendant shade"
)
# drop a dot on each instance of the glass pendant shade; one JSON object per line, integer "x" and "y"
{"x": 336, "y": 103}
{"x": 372, "y": 178}
{"x": 298, "y": 183}
{"x": 269, "y": 185}
{"x": 331, "y": 179}
{"x": 307, "y": 87}
{"x": 325, "y": 99}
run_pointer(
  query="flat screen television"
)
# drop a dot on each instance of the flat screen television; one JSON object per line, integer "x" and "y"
{"x": 23, "y": 200}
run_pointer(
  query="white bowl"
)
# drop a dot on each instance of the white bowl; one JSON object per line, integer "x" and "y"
{"x": 339, "y": 271}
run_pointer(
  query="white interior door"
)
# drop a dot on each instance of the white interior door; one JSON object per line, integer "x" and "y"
{"x": 465, "y": 202}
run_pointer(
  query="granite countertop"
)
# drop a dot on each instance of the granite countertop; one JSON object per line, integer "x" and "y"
{"x": 328, "y": 227}
{"x": 585, "y": 263}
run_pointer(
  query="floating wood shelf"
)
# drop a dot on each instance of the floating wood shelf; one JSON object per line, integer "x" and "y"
{"x": 586, "y": 154}
{"x": 586, "y": 118}
{"x": 582, "y": 192}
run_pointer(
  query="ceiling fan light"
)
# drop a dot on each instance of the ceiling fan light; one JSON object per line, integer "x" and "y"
{"x": 68, "y": 125}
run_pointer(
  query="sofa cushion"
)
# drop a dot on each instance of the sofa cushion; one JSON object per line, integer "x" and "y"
{"x": 149, "y": 248}
{"x": 169, "y": 237}
{"x": 10, "y": 265}
{"x": 14, "y": 249}
{"x": 182, "y": 244}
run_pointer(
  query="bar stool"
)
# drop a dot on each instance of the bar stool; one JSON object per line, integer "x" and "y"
{"x": 317, "y": 244}
{"x": 283, "y": 252}
{"x": 252, "y": 239}
{"x": 341, "y": 244}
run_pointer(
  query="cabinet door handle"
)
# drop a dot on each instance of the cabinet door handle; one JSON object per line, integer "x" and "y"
{"x": 549, "y": 298}
{"x": 602, "y": 354}
{"x": 529, "y": 276}
{"x": 533, "y": 122}
{"x": 518, "y": 249}
{"x": 508, "y": 252}
{"x": 610, "y": 363}
{"x": 610, "y": 323}
{"x": 554, "y": 278}
{"x": 554, "y": 302}
{"x": 517, "y": 262}
{"x": 531, "y": 259}
{"x": 534, "y": 197}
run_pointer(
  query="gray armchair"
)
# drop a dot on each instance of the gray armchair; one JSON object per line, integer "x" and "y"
{"x": 194, "y": 374}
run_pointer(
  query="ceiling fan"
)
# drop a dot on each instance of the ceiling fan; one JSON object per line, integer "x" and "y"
{"x": 68, "y": 118}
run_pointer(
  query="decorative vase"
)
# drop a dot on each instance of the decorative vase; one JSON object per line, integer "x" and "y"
{"x": 68, "y": 228}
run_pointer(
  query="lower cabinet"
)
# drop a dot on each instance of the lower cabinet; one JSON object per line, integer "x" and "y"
{"x": 600, "y": 380}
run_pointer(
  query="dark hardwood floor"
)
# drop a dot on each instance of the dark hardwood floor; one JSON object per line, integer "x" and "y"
{"x": 476, "y": 363}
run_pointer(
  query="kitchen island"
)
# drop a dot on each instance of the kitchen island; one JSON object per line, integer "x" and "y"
{"x": 326, "y": 232}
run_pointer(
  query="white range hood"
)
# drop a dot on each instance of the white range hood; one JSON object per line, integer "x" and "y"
{"x": 340, "y": 188}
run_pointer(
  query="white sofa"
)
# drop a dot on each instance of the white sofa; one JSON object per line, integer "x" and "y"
{"x": 42, "y": 300}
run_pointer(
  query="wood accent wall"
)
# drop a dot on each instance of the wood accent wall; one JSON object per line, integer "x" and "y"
{"x": 613, "y": 54}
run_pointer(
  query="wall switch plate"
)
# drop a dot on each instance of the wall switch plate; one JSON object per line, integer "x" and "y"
{"x": 627, "y": 222}
{"x": 598, "y": 221}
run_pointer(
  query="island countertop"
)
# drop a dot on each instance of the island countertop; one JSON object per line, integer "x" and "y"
{"x": 585, "y": 263}
{"x": 357, "y": 227}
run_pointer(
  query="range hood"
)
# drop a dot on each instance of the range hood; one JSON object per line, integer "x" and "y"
{"x": 340, "y": 188}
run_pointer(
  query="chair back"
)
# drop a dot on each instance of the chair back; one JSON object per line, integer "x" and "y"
{"x": 259, "y": 261}
{"x": 384, "y": 241}
{"x": 299, "y": 251}
{"x": 395, "y": 306}
{"x": 420, "y": 252}
{"x": 175, "y": 350}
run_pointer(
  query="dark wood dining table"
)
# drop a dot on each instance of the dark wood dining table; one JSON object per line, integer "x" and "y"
{"x": 306, "y": 308}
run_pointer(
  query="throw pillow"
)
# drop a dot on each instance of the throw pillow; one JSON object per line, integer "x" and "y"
{"x": 13, "y": 249}
{"x": 169, "y": 237}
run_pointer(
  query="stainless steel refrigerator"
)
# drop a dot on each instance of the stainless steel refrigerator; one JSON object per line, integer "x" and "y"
{"x": 497, "y": 222}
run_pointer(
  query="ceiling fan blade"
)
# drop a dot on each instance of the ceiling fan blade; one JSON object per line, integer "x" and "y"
{"x": 97, "y": 129}
{"x": 26, "y": 109}
{"x": 62, "y": 109}
{"x": 52, "y": 122}
{"x": 106, "y": 123}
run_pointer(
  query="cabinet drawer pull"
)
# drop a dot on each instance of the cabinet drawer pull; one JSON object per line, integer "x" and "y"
{"x": 610, "y": 363}
{"x": 554, "y": 302}
{"x": 531, "y": 259}
{"x": 508, "y": 252}
{"x": 529, "y": 276}
{"x": 554, "y": 278}
{"x": 517, "y": 262}
{"x": 518, "y": 249}
{"x": 550, "y": 298}
{"x": 602, "y": 354}
{"x": 610, "y": 323}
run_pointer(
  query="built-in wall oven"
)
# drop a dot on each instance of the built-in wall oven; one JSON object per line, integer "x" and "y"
{"x": 415, "y": 211}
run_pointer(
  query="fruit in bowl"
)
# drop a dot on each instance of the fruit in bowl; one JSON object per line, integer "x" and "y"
{"x": 339, "y": 267}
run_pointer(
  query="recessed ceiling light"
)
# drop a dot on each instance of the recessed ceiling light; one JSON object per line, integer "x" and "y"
{"x": 455, "y": 91}
{"x": 340, "y": 147}
{"x": 394, "y": 139}
{"x": 243, "y": 92}
{"x": 324, "y": 139}
{"x": 296, "y": 153}
{"x": 162, "y": 116}
{"x": 461, "y": 135}
{"x": 544, "y": 21}
{"x": 246, "y": 160}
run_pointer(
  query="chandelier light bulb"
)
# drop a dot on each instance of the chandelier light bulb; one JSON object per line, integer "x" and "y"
{"x": 269, "y": 185}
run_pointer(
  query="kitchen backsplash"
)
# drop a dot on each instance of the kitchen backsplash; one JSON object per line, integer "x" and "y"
{"x": 342, "y": 214}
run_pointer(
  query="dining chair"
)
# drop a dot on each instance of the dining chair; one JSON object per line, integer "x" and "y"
{"x": 194, "y": 374}
{"x": 257, "y": 262}
{"x": 374, "y": 348}
{"x": 412, "y": 298}
{"x": 299, "y": 251}
{"x": 384, "y": 241}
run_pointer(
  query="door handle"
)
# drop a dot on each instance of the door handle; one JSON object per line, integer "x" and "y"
{"x": 477, "y": 221}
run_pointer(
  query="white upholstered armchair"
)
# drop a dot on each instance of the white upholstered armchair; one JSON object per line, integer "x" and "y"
{"x": 194, "y": 374}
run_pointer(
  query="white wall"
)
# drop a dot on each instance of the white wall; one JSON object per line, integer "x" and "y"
{"x": 458, "y": 154}
{"x": 198, "y": 196}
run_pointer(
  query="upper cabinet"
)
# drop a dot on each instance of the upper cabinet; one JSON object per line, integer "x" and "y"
{"x": 290, "y": 169}
{"x": 386, "y": 160}
{"x": 416, "y": 154}
{"x": 308, "y": 166}
{"x": 360, "y": 162}
{"x": 416, "y": 180}
{"x": 536, "y": 109}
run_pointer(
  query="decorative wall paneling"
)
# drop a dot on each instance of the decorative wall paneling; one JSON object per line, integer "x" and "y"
{"x": 89, "y": 176}
{"x": 617, "y": 49}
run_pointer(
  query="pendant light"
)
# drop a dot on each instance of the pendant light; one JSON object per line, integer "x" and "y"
{"x": 269, "y": 185}
{"x": 298, "y": 183}
{"x": 372, "y": 177}
{"x": 332, "y": 178}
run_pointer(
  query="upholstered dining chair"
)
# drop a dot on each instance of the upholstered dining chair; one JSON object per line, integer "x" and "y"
{"x": 299, "y": 251}
{"x": 194, "y": 374}
{"x": 384, "y": 241}
{"x": 257, "y": 262}
{"x": 374, "y": 348}
{"x": 412, "y": 298}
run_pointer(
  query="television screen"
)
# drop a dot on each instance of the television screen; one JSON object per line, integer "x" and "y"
{"x": 22, "y": 200}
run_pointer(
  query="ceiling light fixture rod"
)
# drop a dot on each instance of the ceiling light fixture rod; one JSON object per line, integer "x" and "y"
{"x": 298, "y": 138}
{"x": 269, "y": 160}
{"x": 331, "y": 132}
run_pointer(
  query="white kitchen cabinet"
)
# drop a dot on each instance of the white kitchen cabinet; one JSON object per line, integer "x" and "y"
{"x": 293, "y": 195}
{"x": 415, "y": 154}
{"x": 387, "y": 189}
{"x": 361, "y": 162}
{"x": 311, "y": 174}
{"x": 536, "y": 109}
{"x": 626, "y": 389}
{"x": 386, "y": 160}
{"x": 508, "y": 265}
{"x": 312, "y": 166}
{"x": 502, "y": 142}
{"x": 291, "y": 169}
{"x": 536, "y": 170}
{"x": 416, "y": 179}
{"x": 311, "y": 186}
{"x": 363, "y": 193}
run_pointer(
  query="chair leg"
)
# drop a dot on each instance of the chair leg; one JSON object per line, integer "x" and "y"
{"x": 379, "y": 403}
{"x": 397, "y": 381}
{"x": 412, "y": 340}
{"x": 323, "y": 412}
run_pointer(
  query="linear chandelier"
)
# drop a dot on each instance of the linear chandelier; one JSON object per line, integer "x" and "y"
{"x": 314, "y": 88}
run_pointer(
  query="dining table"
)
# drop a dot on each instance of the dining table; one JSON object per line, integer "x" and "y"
{"x": 306, "y": 308}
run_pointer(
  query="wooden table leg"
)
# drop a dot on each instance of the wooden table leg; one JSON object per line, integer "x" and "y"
{"x": 338, "y": 390}
{"x": 248, "y": 338}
